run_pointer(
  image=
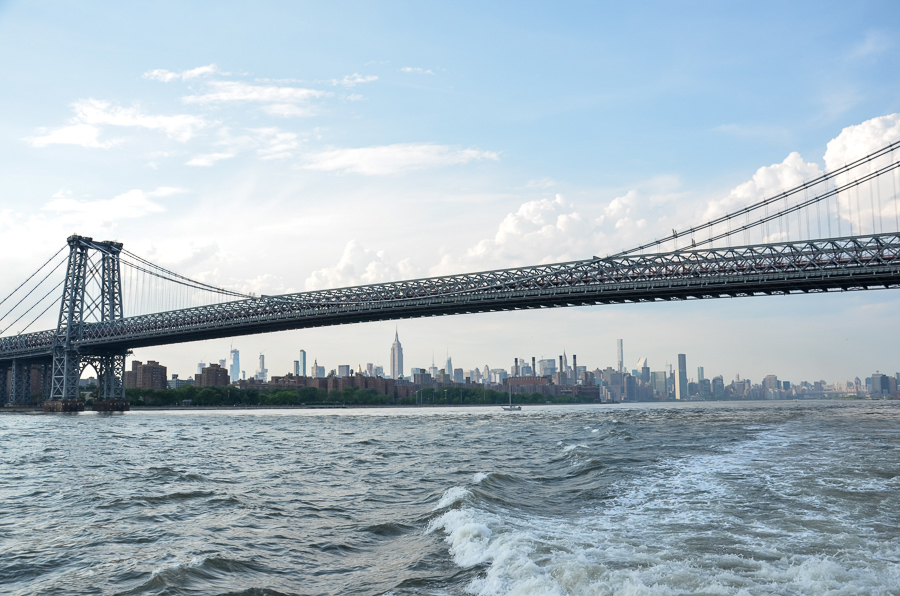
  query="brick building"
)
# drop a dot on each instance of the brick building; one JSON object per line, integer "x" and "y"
{"x": 146, "y": 376}
{"x": 212, "y": 376}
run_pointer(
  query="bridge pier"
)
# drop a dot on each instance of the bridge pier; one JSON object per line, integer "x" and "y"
{"x": 20, "y": 383}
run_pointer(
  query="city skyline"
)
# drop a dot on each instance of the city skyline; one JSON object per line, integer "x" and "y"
{"x": 347, "y": 148}
{"x": 678, "y": 370}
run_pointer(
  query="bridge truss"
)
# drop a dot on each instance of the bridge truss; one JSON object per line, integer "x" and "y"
{"x": 93, "y": 329}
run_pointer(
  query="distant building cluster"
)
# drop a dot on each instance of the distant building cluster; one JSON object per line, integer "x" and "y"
{"x": 551, "y": 377}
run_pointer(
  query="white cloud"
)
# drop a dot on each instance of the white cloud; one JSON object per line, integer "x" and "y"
{"x": 85, "y": 135}
{"x": 416, "y": 70}
{"x": 132, "y": 204}
{"x": 539, "y": 231}
{"x": 276, "y": 144}
{"x": 208, "y": 159}
{"x": 91, "y": 114}
{"x": 354, "y": 79}
{"x": 358, "y": 265}
{"x": 167, "y": 76}
{"x": 288, "y": 110}
{"x": 392, "y": 159}
{"x": 180, "y": 127}
{"x": 236, "y": 91}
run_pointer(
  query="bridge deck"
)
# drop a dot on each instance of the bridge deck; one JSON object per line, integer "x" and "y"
{"x": 840, "y": 264}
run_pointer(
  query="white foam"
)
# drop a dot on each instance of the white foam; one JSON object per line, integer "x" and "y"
{"x": 659, "y": 535}
{"x": 478, "y": 477}
{"x": 452, "y": 496}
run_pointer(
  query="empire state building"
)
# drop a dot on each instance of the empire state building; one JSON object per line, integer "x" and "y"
{"x": 396, "y": 358}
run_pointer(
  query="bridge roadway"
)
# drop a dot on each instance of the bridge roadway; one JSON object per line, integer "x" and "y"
{"x": 841, "y": 264}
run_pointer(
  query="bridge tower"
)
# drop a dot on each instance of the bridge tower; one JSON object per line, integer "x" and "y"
{"x": 92, "y": 293}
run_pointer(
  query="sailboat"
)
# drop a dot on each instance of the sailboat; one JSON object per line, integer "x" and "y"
{"x": 511, "y": 407}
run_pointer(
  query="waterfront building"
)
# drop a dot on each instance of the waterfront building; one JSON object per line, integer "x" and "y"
{"x": 146, "y": 376}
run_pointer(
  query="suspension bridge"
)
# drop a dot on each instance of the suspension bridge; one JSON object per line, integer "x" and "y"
{"x": 837, "y": 232}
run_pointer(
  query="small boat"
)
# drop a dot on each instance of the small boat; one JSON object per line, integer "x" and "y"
{"x": 511, "y": 407}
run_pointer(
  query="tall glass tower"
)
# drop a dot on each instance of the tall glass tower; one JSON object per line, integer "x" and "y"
{"x": 234, "y": 367}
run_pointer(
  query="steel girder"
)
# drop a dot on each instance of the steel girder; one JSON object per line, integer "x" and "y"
{"x": 840, "y": 264}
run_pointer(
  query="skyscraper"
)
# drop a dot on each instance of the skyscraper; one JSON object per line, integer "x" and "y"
{"x": 234, "y": 368}
{"x": 396, "y": 357}
{"x": 621, "y": 357}
{"x": 263, "y": 373}
{"x": 302, "y": 363}
{"x": 681, "y": 382}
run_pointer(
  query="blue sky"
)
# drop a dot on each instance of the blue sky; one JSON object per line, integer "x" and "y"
{"x": 278, "y": 147}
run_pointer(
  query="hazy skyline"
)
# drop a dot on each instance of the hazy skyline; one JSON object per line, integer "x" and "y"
{"x": 292, "y": 146}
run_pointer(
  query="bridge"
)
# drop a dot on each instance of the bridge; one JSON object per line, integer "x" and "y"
{"x": 837, "y": 232}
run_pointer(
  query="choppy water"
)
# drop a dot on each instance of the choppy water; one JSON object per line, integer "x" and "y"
{"x": 775, "y": 498}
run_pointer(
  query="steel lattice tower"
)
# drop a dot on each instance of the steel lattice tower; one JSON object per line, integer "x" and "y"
{"x": 92, "y": 293}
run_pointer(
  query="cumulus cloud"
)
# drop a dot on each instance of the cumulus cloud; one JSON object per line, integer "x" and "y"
{"x": 543, "y": 230}
{"x": 416, "y": 70}
{"x": 358, "y": 265}
{"x": 766, "y": 182}
{"x": 862, "y": 139}
{"x": 91, "y": 114}
{"x": 167, "y": 76}
{"x": 392, "y": 159}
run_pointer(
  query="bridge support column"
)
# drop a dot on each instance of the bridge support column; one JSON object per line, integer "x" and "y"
{"x": 4, "y": 380}
{"x": 20, "y": 383}
{"x": 46, "y": 380}
{"x": 66, "y": 374}
{"x": 111, "y": 373}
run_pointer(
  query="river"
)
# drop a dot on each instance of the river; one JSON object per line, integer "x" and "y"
{"x": 697, "y": 498}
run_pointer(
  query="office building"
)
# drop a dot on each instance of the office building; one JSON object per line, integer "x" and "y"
{"x": 343, "y": 370}
{"x": 621, "y": 351}
{"x": 234, "y": 369}
{"x": 316, "y": 371}
{"x": 302, "y": 363}
{"x": 397, "y": 358}
{"x": 681, "y": 380}
{"x": 262, "y": 373}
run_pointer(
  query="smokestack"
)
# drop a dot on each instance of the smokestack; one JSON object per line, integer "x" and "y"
{"x": 561, "y": 371}
{"x": 516, "y": 368}
{"x": 533, "y": 368}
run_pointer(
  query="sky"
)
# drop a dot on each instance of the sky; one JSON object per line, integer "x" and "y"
{"x": 278, "y": 147}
